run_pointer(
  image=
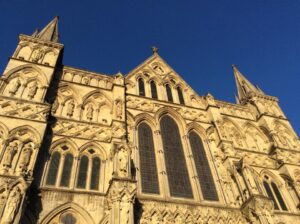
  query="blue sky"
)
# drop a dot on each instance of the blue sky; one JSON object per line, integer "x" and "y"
{"x": 199, "y": 39}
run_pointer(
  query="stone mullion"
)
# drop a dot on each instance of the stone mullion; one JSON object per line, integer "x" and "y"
{"x": 89, "y": 174}
{"x": 161, "y": 166}
{"x": 59, "y": 171}
{"x": 194, "y": 178}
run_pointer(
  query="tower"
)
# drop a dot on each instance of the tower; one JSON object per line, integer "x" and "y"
{"x": 24, "y": 111}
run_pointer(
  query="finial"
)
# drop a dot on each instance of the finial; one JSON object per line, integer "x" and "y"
{"x": 233, "y": 66}
{"x": 154, "y": 50}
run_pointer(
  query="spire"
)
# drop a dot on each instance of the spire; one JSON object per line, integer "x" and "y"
{"x": 50, "y": 32}
{"x": 244, "y": 87}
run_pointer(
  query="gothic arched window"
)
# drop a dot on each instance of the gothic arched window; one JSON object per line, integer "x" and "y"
{"x": 176, "y": 167}
{"x": 82, "y": 175}
{"x": 169, "y": 93}
{"x": 274, "y": 194}
{"x": 141, "y": 87}
{"x": 206, "y": 180}
{"x": 53, "y": 169}
{"x": 180, "y": 95}
{"x": 67, "y": 169}
{"x": 153, "y": 90}
{"x": 147, "y": 160}
{"x": 278, "y": 196}
{"x": 68, "y": 219}
{"x": 96, "y": 163}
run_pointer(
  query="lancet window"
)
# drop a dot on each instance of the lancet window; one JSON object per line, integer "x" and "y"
{"x": 153, "y": 89}
{"x": 180, "y": 95}
{"x": 149, "y": 178}
{"x": 169, "y": 93}
{"x": 274, "y": 194}
{"x": 205, "y": 178}
{"x": 176, "y": 166}
{"x": 141, "y": 87}
{"x": 53, "y": 169}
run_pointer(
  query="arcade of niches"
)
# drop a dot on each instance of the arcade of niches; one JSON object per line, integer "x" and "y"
{"x": 78, "y": 147}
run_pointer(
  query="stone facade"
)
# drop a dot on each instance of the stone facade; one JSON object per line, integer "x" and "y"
{"x": 78, "y": 147}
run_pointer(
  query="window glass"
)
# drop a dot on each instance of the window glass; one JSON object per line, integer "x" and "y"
{"x": 169, "y": 93}
{"x": 95, "y": 173}
{"x": 66, "y": 173}
{"x": 278, "y": 196}
{"x": 82, "y": 175}
{"x": 176, "y": 167}
{"x": 270, "y": 194}
{"x": 147, "y": 160}
{"x": 141, "y": 87}
{"x": 153, "y": 90}
{"x": 180, "y": 95}
{"x": 53, "y": 169}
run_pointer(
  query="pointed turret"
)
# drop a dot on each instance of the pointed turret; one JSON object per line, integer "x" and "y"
{"x": 50, "y": 32}
{"x": 245, "y": 88}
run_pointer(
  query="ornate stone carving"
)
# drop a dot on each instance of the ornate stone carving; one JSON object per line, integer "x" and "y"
{"x": 14, "y": 85}
{"x": 37, "y": 55}
{"x": 32, "y": 89}
{"x": 89, "y": 112}
{"x": 25, "y": 157}
{"x": 123, "y": 160}
{"x": 10, "y": 152}
{"x": 83, "y": 130}
{"x": 70, "y": 108}
{"x": 23, "y": 109}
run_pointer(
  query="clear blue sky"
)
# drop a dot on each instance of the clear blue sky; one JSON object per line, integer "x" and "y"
{"x": 199, "y": 39}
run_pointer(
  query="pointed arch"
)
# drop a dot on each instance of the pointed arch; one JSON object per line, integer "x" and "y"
{"x": 234, "y": 132}
{"x": 98, "y": 148}
{"x": 174, "y": 114}
{"x": 86, "y": 97}
{"x": 145, "y": 117}
{"x": 255, "y": 138}
{"x": 75, "y": 208}
{"x": 27, "y": 67}
{"x": 64, "y": 142}
{"x": 20, "y": 133}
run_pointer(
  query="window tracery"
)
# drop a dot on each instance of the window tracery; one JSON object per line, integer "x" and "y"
{"x": 176, "y": 167}
{"x": 148, "y": 168}
{"x": 274, "y": 194}
{"x": 202, "y": 167}
{"x": 153, "y": 90}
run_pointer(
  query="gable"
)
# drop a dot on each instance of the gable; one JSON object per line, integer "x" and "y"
{"x": 156, "y": 69}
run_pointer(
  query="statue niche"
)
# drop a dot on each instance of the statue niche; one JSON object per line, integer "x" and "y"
{"x": 25, "y": 156}
{"x": 12, "y": 206}
{"x": 14, "y": 86}
{"x": 255, "y": 140}
{"x": 234, "y": 134}
{"x": 9, "y": 154}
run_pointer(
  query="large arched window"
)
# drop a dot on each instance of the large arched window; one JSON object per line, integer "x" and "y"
{"x": 206, "y": 180}
{"x": 147, "y": 160}
{"x": 274, "y": 194}
{"x": 53, "y": 169}
{"x": 82, "y": 174}
{"x": 153, "y": 90}
{"x": 67, "y": 169}
{"x": 141, "y": 87}
{"x": 169, "y": 93}
{"x": 176, "y": 167}
{"x": 96, "y": 163}
{"x": 180, "y": 95}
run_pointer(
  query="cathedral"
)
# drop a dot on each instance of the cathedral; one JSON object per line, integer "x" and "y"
{"x": 79, "y": 147}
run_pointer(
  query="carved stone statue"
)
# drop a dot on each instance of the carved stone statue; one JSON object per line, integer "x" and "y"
{"x": 37, "y": 55}
{"x": 14, "y": 86}
{"x": 122, "y": 162}
{"x": 32, "y": 89}
{"x": 89, "y": 112}
{"x": 25, "y": 156}
{"x": 12, "y": 206}
{"x": 70, "y": 108}
{"x": 10, "y": 153}
{"x": 54, "y": 107}
{"x": 119, "y": 109}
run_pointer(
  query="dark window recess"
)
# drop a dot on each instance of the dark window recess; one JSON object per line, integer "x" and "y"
{"x": 169, "y": 93}
{"x": 147, "y": 160}
{"x": 278, "y": 196}
{"x": 141, "y": 87}
{"x": 153, "y": 90}
{"x": 176, "y": 167}
{"x": 180, "y": 95}
{"x": 270, "y": 194}
{"x": 67, "y": 169}
{"x": 82, "y": 175}
{"x": 95, "y": 173}
{"x": 68, "y": 219}
{"x": 53, "y": 169}
{"x": 206, "y": 180}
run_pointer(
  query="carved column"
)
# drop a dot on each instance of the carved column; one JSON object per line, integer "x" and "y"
{"x": 120, "y": 198}
{"x": 259, "y": 210}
